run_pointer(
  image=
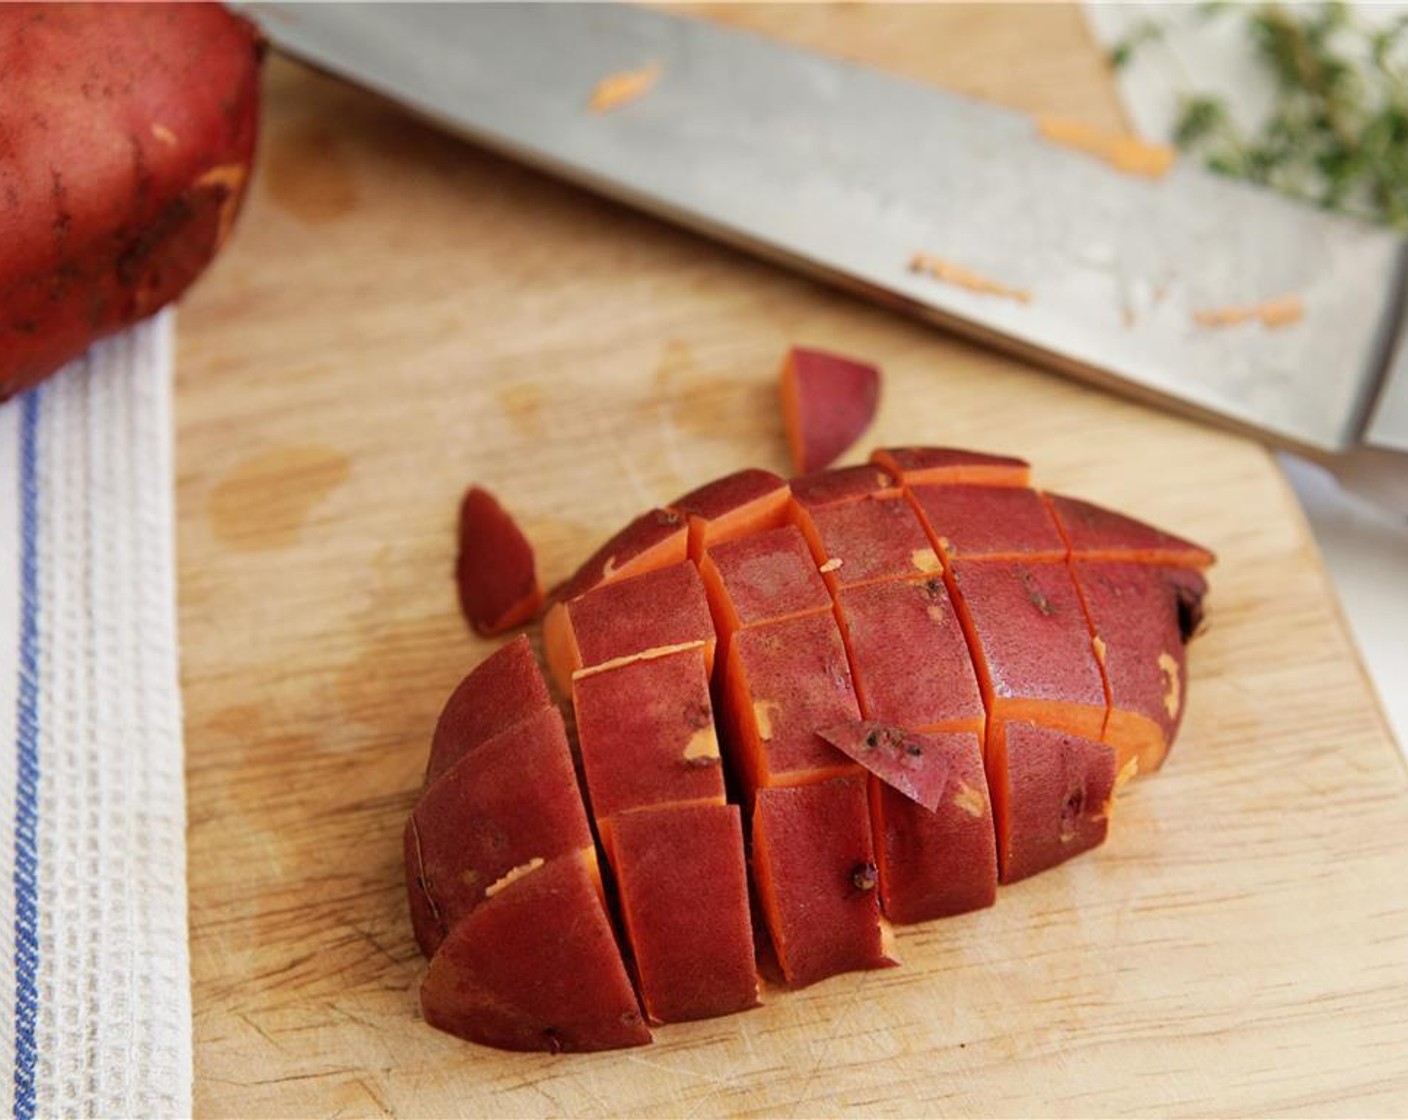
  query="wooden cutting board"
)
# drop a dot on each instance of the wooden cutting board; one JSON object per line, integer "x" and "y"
{"x": 401, "y": 314}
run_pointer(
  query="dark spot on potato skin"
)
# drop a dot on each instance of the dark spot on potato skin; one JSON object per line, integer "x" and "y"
{"x": 865, "y": 876}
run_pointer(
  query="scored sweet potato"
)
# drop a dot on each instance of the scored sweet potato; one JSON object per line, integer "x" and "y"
{"x": 930, "y": 679}
{"x": 127, "y": 133}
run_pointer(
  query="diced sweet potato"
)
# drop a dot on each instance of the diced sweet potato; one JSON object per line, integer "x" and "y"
{"x": 661, "y": 609}
{"x": 783, "y": 680}
{"x": 747, "y": 501}
{"x": 482, "y": 822}
{"x": 814, "y": 867}
{"x": 907, "y": 761}
{"x": 910, "y": 656}
{"x": 945, "y": 466}
{"x": 1051, "y": 793}
{"x": 503, "y": 689}
{"x": 1096, "y": 533}
{"x": 989, "y": 522}
{"x": 684, "y": 901}
{"x": 859, "y": 542}
{"x": 827, "y": 402}
{"x": 653, "y": 540}
{"x": 495, "y": 573}
{"x": 937, "y": 863}
{"x": 762, "y": 578}
{"x": 1032, "y": 645}
{"x": 646, "y": 731}
{"x": 1135, "y": 613}
{"x": 536, "y": 967}
{"x": 843, "y": 484}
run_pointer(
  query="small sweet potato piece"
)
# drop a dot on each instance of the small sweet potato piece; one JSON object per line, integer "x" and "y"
{"x": 128, "y": 141}
{"x": 496, "y": 573}
{"x": 536, "y": 967}
{"x": 937, "y": 863}
{"x": 1031, "y": 643}
{"x": 761, "y": 578}
{"x": 843, "y": 484}
{"x": 1051, "y": 793}
{"x": 1096, "y": 533}
{"x": 646, "y": 731}
{"x": 989, "y": 522}
{"x": 783, "y": 680}
{"x": 910, "y": 656}
{"x": 814, "y": 867}
{"x": 684, "y": 902}
{"x": 923, "y": 466}
{"x": 506, "y": 687}
{"x": 1135, "y": 612}
{"x": 482, "y": 821}
{"x": 827, "y": 402}
{"x": 653, "y": 540}
{"x": 736, "y": 505}
{"x": 859, "y": 542}
{"x": 664, "y": 608}
{"x": 906, "y": 761}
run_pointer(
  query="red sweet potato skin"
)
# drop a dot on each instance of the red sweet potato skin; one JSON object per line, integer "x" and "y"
{"x": 126, "y": 137}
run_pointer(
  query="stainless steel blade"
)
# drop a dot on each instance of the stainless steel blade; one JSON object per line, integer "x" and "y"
{"x": 849, "y": 173}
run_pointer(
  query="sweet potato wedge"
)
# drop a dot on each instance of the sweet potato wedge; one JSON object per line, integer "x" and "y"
{"x": 495, "y": 573}
{"x": 827, "y": 402}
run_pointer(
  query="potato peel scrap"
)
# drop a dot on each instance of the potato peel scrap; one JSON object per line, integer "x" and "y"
{"x": 1281, "y": 311}
{"x": 1123, "y": 153}
{"x": 623, "y": 87}
{"x": 961, "y": 277}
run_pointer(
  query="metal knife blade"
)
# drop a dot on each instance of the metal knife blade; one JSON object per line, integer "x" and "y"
{"x": 848, "y": 173}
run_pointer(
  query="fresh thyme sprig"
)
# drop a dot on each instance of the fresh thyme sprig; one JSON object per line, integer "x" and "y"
{"x": 1337, "y": 134}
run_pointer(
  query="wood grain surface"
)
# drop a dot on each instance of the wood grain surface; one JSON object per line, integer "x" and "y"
{"x": 401, "y": 314}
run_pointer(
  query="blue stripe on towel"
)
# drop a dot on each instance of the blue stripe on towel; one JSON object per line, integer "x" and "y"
{"x": 26, "y": 878}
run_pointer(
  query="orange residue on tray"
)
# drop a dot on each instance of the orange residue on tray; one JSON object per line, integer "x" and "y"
{"x": 1123, "y": 153}
{"x": 1281, "y": 311}
{"x": 623, "y": 87}
{"x": 955, "y": 274}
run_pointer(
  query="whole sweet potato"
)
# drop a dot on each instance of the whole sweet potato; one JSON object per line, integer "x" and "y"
{"x": 126, "y": 135}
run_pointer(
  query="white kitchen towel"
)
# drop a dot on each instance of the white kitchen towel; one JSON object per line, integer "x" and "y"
{"x": 95, "y": 1019}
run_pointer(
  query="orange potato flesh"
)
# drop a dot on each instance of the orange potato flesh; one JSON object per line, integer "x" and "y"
{"x": 653, "y": 540}
{"x": 503, "y": 689}
{"x": 843, "y": 484}
{"x": 827, "y": 402}
{"x": 814, "y": 867}
{"x": 783, "y": 680}
{"x": 536, "y": 967}
{"x": 859, "y": 542}
{"x": 478, "y": 822}
{"x": 909, "y": 655}
{"x": 684, "y": 901}
{"x": 934, "y": 864}
{"x": 646, "y": 733}
{"x": 495, "y": 573}
{"x": 1096, "y": 533}
{"x": 989, "y": 522}
{"x": 737, "y": 505}
{"x": 659, "y": 609}
{"x": 946, "y": 466}
{"x": 1051, "y": 794}
{"x": 762, "y": 578}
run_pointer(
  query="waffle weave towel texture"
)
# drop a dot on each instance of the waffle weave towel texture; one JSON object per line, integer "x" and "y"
{"x": 95, "y": 1018}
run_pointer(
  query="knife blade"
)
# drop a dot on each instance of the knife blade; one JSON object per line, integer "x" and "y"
{"x": 850, "y": 174}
